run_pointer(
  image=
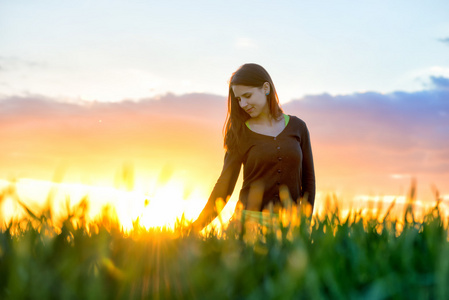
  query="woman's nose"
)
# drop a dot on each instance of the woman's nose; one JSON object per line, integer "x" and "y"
{"x": 242, "y": 102}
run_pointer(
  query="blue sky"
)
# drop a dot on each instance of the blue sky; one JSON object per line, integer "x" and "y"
{"x": 115, "y": 50}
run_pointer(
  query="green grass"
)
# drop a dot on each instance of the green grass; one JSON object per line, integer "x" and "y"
{"x": 357, "y": 257}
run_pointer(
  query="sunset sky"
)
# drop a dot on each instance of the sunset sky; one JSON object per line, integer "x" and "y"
{"x": 92, "y": 87}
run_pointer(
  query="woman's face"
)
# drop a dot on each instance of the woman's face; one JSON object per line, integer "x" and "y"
{"x": 252, "y": 100}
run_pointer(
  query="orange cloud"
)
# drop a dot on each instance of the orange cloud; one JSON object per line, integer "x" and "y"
{"x": 363, "y": 143}
{"x": 93, "y": 140}
{"x": 361, "y": 140}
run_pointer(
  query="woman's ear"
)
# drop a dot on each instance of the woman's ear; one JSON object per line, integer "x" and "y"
{"x": 266, "y": 88}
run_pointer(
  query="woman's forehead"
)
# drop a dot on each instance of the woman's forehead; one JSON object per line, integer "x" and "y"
{"x": 242, "y": 89}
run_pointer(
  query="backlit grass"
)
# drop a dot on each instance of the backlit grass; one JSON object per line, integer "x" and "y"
{"x": 295, "y": 256}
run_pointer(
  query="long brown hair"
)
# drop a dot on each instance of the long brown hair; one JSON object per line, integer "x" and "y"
{"x": 252, "y": 75}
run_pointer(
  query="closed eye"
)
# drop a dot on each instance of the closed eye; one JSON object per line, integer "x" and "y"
{"x": 246, "y": 95}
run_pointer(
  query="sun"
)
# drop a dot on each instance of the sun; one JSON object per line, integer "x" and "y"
{"x": 167, "y": 204}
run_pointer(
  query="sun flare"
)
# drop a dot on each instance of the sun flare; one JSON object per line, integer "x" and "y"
{"x": 168, "y": 204}
{"x": 163, "y": 207}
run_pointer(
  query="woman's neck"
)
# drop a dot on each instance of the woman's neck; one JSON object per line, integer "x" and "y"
{"x": 264, "y": 120}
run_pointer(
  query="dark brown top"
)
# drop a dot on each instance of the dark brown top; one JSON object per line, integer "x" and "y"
{"x": 269, "y": 162}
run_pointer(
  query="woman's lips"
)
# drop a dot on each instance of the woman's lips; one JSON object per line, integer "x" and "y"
{"x": 250, "y": 110}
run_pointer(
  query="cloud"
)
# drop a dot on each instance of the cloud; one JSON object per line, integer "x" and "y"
{"x": 370, "y": 135}
{"x": 440, "y": 81}
{"x": 245, "y": 43}
{"x": 445, "y": 40}
{"x": 360, "y": 141}
{"x": 96, "y": 138}
{"x": 12, "y": 63}
{"x": 188, "y": 105}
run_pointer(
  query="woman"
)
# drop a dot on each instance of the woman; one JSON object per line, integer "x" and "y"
{"x": 274, "y": 148}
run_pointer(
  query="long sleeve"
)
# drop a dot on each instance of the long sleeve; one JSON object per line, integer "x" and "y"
{"x": 223, "y": 188}
{"x": 308, "y": 171}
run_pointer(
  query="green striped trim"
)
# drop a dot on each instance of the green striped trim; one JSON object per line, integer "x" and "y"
{"x": 287, "y": 119}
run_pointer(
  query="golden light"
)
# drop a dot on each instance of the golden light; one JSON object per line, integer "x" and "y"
{"x": 167, "y": 204}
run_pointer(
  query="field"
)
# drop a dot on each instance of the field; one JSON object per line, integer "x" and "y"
{"x": 295, "y": 256}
